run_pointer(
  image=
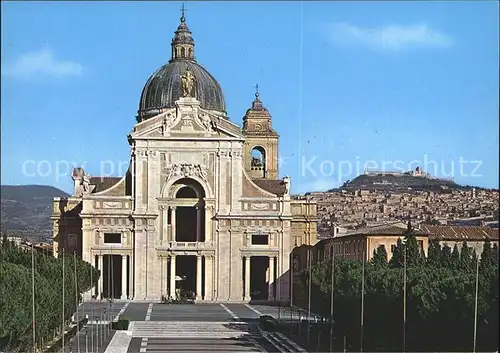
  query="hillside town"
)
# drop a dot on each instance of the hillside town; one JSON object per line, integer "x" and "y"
{"x": 345, "y": 209}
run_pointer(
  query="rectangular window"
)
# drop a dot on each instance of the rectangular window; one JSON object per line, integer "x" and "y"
{"x": 393, "y": 248}
{"x": 112, "y": 238}
{"x": 260, "y": 239}
{"x": 421, "y": 244}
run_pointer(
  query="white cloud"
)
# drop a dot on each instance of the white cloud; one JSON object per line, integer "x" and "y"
{"x": 391, "y": 37}
{"x": 41, "y": 62}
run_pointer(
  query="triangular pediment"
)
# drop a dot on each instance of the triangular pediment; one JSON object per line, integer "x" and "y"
{"x": 175, "y": 123}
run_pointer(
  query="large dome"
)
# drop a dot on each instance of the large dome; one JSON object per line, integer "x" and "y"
{"x": 164, "y": 87}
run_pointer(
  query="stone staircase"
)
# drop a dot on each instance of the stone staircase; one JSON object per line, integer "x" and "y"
{"x": 192, "y": 329}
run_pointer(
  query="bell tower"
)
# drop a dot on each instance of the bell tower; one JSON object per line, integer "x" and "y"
{"x": 261, "y": 142}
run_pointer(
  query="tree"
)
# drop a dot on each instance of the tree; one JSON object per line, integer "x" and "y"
{"x": 413, "y": 254}
{"x": 379, "y": 259}
{"x": 434, "y": 253}
{"x": 494, "y": 251}
{"x": 397, "y": 259}
{"x": 487, "y": 262}
{"x": 445, "y": 256}
{"x": 455, "y": 258}
{"x": 466, "y": 263}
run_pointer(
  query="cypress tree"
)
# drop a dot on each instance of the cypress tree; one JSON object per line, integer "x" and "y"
{"x": 494, "y": 251}
{"x": 446, "y": 256}
{"x": 465, "y": 258}
{"x": 434, "y": 254}
{"x": 413, "y": 254}
{"x": 379, "y": 258}
{"x": 487, "y": 262}
{"x": 397, "y": 258}
{"x": 455, "y": 258}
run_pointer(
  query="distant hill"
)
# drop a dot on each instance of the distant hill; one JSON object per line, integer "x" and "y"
{"x": 403, "y": 181}
{"x": 26, "y": 209}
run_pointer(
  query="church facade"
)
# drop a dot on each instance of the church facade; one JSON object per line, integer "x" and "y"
{"x": 201, "y": 210}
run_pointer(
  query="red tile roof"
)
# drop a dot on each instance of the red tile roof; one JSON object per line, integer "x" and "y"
{"x": 460, "y": 232}
{"x": 385, "y": 229}
{"x": 276, "y": 187}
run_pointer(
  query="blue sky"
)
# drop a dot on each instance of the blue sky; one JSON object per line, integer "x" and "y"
{"x": 347, "y": 83}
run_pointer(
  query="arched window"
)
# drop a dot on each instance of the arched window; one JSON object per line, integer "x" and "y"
{"x": 189, "y": 211}
{"x": 258, "y": 161}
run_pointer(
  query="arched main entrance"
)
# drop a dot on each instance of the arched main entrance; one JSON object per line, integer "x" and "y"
{"x": 186, "y": 273}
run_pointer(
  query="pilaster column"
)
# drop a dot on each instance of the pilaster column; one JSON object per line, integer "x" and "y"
{"x": 208, "y": 224}
{"x": 124, "y": 277}
{"x": 172, "y": 277}
{"x": 100, "y": 266}
{"x": 247, "y": 278}
{"x": 164, "y": 220}
{"x": 198, "y": 223}
{"x": 172, "y": 223}
{"x": 271, "y": 278}
{"x": 209, "y": 291}
{"x": 164, "y": 285}
{"x": 199, "y": 275}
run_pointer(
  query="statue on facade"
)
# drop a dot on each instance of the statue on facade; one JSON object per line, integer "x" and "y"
{"x": 84, "y": 187}
{"x": 187, "y": 80}
{"x": 186, "y": 170}
{"x": 174, "y": 170}
{"x": 167, "y": 123}
{"x": 286, "y": 181}
{"x": 206, "y": 121}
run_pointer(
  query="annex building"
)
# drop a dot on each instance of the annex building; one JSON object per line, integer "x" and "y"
{"x": 201, "y": 211}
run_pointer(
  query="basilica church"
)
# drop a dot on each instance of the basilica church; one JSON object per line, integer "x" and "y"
{"x": 201, "y": 211}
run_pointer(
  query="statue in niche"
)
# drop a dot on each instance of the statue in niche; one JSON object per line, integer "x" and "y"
{"x": 187, "y": 80}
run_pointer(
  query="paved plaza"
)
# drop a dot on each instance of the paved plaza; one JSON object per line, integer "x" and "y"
{"x": 156, "y": 327}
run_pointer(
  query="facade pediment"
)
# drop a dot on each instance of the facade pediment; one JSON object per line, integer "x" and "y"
{"x": 187, "y": 120}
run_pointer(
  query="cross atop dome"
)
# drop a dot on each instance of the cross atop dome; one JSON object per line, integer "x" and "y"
{"x": 183, "y": 10}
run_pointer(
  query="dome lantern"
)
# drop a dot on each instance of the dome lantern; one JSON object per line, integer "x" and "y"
{"x": 183, "y": 42}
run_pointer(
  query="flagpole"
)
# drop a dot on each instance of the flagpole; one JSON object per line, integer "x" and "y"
{"x": 63, "y": 300}
{"x": 309, "y": 297}
{"x": 33, "y": 293}
{"x": 404, "y": 299}
{"x": 475, "y": 305}
{"x": 92, "y": 303}
{"x": 362, "y": 301}
{"x": 292, "y": 271}
{"x": 76, "y": 303}
{"x": 332, "y": 301}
